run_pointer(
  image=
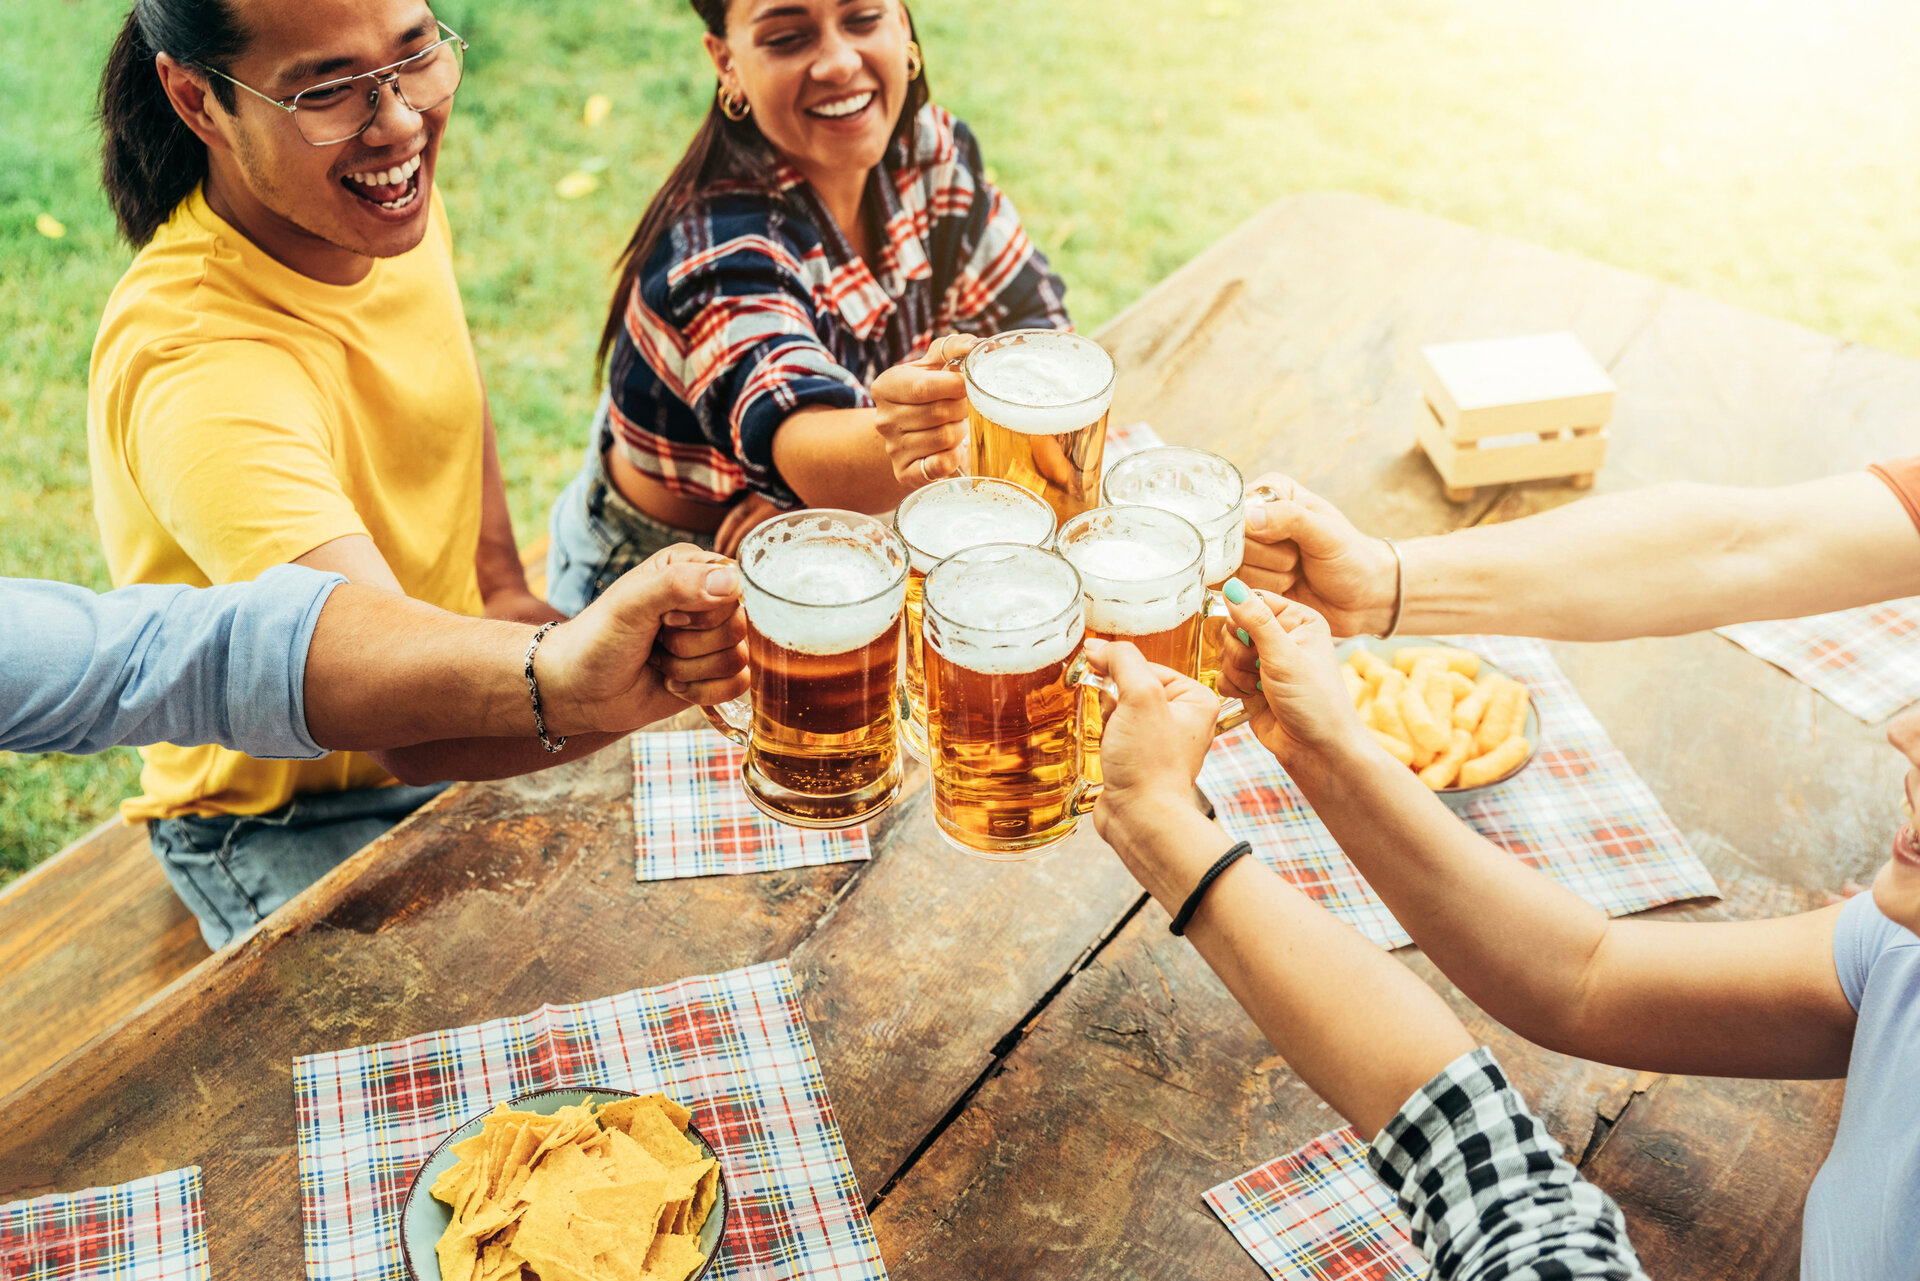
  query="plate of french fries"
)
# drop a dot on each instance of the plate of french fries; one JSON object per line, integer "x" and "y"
{"x": 1446, "y": 713}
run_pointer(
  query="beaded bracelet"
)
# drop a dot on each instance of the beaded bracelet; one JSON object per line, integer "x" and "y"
{"x": 533, "y": 692}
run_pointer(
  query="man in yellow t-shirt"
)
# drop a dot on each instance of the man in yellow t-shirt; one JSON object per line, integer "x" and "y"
{"x": 284, "y": 376}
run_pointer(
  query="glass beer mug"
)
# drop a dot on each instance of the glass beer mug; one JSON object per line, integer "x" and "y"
{"x": 1037, "y": 402}
{"x": 1141, "y": 569}
{"x": 1007, "y": 680}
{"x": 823, "y": 592}
{"x": 935, "y": 522}
{"x": 1207, "y": 490}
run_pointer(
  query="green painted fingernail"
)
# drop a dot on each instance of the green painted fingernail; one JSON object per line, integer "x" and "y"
{"x": 1241, "y": 632}
{"x": 1237, "y": 591}
{"x": 1257, "y": 685}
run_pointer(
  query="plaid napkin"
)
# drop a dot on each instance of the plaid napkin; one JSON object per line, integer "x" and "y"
{"x": 691, "y": 815}
{"x": 1579, "y": 813}
{"x": 1867, "y": 661}
{"x": 147, "y": 1230}
{"x": 1318, "y": 1214}
{"x": 733, "y": 1047}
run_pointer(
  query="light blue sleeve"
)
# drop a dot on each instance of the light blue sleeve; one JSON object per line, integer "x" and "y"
{"x": 81, "y": 672}
{"x": 1859, "y": 937}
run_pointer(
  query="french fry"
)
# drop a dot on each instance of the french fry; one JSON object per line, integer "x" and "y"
{"x": 1457, "y": 660}
{"x": 1386, "y": 706}
{"x": 1422, "y": 729}
{"x": 1506, "y": 713}
{"x": 1367, "y": 665}
{"x": 1364, "y": 709}
{"x": 1461, "y": 686}
{"x": 1443, "y": 771}
{"x": 1498, "y": 763}
{"x": 1469, "y": 710}
{"x": 1397, "y": 749}
{"x": 1430, "y": 678}
{"x": 1356, "y": 686}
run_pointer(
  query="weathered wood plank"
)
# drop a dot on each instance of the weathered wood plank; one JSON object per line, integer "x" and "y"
{"x": 84, "y": 939}
{"x": 1140, "y": 1087}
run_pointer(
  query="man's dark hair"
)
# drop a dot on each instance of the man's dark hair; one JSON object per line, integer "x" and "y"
{"x": 151, "y": 161}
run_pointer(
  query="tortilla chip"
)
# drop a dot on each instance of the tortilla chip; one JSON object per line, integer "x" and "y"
{"x": 457, "y": 1254}
{"x": 705, "y": 1195}
{"x": 618, "y": 1114}
{"x": 673, "y": 1257}
{"x": 652, "y": 1130}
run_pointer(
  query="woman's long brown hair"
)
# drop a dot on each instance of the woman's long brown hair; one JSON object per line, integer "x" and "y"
{"x": 722, "y": 151}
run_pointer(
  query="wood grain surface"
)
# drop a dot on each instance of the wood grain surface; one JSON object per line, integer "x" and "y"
{"x": 1033, "y": 1077}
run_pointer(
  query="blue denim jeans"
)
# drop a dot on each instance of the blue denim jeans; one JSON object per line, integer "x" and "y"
{"x": 594, "y": 534}
{"x": 233, "y": 870}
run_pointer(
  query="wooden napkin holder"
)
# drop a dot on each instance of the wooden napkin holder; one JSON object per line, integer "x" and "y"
{"x": 1513, "y": 409}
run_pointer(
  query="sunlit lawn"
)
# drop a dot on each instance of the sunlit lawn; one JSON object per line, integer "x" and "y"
{"x": 1762, "y": 151}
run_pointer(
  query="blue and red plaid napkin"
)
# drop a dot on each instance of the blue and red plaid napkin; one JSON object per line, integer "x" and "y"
{"x": 1319, "y": 1214}
{"x": 1867, "y": 661}
{"x": 151, "y": 1229}
{"x": 691, "y": 815}
{"x": 1579, "y": 812}
{"x": 733, "y": 1047}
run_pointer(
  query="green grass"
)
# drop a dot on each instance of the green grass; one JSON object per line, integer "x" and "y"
{"x": 1760, "y": 153}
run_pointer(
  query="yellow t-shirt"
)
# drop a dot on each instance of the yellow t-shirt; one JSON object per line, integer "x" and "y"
{"x": 239, "y": 415}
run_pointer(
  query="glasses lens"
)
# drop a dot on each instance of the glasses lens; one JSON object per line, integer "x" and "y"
{"x": 431, "y": 81}
{"x": 335, "y": 112}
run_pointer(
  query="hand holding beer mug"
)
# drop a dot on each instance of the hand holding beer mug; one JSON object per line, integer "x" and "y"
{"x": 1005, "y": 678}
{"x": 920, "y": 411}
{"x": 1141, "y": 569}
{"x": 935, "y": 522}
{"x": 1037, "y": 402}
{"x": 1207, "y": 490}
{"x": 822, "y": 591}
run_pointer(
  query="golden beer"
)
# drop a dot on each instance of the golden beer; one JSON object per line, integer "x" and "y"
{"x": 1004, "y": 634}
{"x": 1140, "y": 568}
{"x": 1208, "y": 491}
{"x": 935, "y": 522}
{"x": 1037, "y": 403}
{"x": 823, "y": 592}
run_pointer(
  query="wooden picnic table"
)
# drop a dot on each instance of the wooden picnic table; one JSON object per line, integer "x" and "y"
{"x": 1033, "y": 1078}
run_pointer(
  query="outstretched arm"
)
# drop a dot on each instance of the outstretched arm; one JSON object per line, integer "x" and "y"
{"x": 1657, "y": 561}
{"x": 1750, "y": 999}
{"x": 436, "y": 696}
{"x": 1485, "y": 1189}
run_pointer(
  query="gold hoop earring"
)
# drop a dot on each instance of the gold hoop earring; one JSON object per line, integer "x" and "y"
{"x": 915, "y": 63}
{"x": 733, "y": 107}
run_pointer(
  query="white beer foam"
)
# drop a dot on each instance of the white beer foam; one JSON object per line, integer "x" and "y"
{"x": 940, "y": 524}
{"x": 851, "y": 576}
{"x": 1127, "y": 592}
{"x": 1007, "y": 611}
{"x": 1045, "y": 386}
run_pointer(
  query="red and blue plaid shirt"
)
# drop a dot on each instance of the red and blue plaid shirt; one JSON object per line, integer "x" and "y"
{"x": 755, "y": 304}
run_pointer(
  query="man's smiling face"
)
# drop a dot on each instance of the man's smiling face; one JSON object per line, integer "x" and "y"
{"x": 367, "y": 195}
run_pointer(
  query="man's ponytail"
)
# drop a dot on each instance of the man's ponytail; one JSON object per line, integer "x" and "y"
{"x": 150, "y": 160}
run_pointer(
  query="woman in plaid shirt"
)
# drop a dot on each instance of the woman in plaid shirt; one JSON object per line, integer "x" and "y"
{"x": 772, "y": 340}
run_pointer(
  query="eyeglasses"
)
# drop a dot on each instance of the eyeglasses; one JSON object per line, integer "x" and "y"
{"x": 336, "y": 110}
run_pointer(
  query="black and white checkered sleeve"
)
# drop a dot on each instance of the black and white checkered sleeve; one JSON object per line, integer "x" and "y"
{"x": 1487, "y": 1190}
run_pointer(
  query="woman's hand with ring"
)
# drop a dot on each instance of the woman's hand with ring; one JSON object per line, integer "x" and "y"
{"x": 920, "y": 409}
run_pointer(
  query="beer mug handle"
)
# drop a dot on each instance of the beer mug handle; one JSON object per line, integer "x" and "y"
{"x": 1088, "y": 684}
{"x": 734, "y": 718}
{"x": 1233, "y": 712}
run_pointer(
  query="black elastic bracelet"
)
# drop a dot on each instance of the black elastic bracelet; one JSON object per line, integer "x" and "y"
{"x": 1192, "y": 905}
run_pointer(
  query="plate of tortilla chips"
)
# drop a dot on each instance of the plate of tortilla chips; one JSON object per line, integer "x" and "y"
{"x": 1446, "y": 713}
{"x": 579, "y": 1184}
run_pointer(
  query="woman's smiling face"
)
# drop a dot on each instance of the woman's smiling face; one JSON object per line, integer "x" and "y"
{"x": 1896, "y": 889}
{"x": 826, "y": 79}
